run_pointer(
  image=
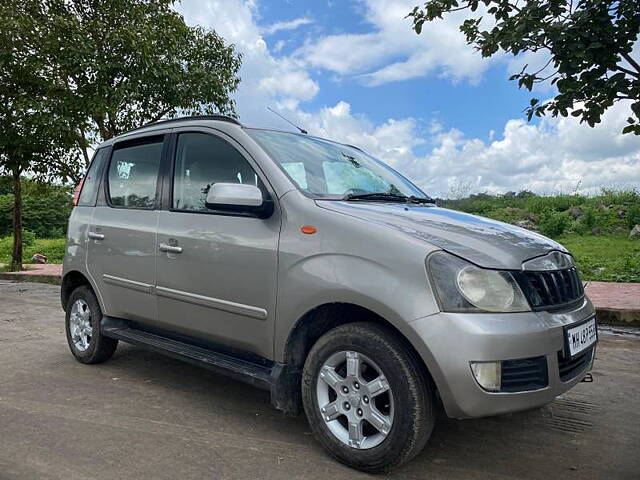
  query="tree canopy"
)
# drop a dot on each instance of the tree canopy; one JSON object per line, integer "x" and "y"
{"x": 589, "y": 45}
{"x": 74, "y": 72}
{"x": 124, "y": 63}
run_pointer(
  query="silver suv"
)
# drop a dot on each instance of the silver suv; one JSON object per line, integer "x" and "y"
{"x": 308, "y": 268}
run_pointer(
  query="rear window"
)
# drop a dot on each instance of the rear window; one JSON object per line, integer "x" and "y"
{"x": 133, "y": 174}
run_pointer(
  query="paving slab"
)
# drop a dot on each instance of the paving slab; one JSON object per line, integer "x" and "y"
{"x": 616, "y": 303}
{"x": 145, "y": 416}
{"x": 41, "y": 273}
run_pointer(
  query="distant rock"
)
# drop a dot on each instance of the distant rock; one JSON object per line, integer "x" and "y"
{"x": 534, "y": 217}
{"x": 528, "y": 224}
{"x": 513, "y": 211}
{"x": 39, "y": 258}
{"x": 575, "y": 212}
{"x": 635, "y": 232}
{"x": 596, "y": 231}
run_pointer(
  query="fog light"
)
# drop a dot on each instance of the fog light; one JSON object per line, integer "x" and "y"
{"x": 487, "y": 374}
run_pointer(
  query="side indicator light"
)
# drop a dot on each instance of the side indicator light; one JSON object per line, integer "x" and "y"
{"x": 308, "y": 229}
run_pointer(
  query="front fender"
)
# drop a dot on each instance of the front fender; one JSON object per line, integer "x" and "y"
{"x": 397, "y": 295}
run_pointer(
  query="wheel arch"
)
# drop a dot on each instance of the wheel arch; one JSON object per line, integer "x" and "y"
{"x": 310, "y": 327}
{"x": 72, "y": 280}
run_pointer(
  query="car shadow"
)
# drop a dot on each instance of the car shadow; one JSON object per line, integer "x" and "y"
{"x": 521, "y": 445}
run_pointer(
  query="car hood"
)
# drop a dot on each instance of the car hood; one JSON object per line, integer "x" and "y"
{"x": 487, "y": 243}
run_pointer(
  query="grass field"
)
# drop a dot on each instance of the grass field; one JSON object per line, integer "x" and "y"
{"x": 53, "y": 248}
{"x": 611, "y": 258}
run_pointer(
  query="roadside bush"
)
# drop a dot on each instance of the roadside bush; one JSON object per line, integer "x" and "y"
{"x": 45, "y": 209}
{"x": 588, "y": 220}
{"x": 553, "y": 224}
{"x": 633, "y": 216}
{"x": 28, "y": 238}
{"x": 53, "y": 248}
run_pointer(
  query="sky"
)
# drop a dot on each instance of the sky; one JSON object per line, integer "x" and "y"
{"x": 354, "y": 71}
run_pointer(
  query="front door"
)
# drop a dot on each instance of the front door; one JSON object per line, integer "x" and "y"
{"x": 122, "y": 235}
{"x": 216, "y": 272}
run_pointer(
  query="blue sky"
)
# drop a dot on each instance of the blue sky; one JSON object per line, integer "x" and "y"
{"x": 353, "y": 70}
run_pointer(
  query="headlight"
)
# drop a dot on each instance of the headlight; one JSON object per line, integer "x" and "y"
{"x": 464, "y": 287}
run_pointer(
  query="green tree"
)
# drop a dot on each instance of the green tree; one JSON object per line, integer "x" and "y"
{"x": 74, "y": 72}
{"x": 33, "y": 137}
{"x": 124, "y": 63}
{"x": 589, "y": 44}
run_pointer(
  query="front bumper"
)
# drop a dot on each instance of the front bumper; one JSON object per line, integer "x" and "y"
{"x": 450, "y": 341}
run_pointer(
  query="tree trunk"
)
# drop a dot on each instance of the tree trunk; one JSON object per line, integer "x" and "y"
{"x": 16, "y": 258}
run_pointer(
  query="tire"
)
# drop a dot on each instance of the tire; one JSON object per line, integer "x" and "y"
{"x": 408, "y": 408}
{"x": 96, "y": 348}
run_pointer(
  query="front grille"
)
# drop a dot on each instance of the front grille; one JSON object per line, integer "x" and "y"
{"x": 524, "y": 374}
{"x": 571, "y": 367}
{"x": 550, "y": 290}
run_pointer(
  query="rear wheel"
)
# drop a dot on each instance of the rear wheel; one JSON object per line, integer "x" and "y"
{"x": 82, "y": 322}
{"x": 366, "y": 398}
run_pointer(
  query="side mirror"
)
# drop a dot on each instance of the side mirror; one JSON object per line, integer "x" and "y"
{"x": 238, "y": 198}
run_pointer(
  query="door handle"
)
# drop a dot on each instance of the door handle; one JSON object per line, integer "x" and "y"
{"x": 163, "y": 247}
{"x": 96, "y": 236}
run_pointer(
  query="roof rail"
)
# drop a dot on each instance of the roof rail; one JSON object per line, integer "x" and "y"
{"x": 223, "y": 118}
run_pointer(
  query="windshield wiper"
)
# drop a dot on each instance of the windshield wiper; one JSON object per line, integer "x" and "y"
{"x": 383, "y": 196}
{"x": 414, "y": 199}
{"x": 387, "y": 197}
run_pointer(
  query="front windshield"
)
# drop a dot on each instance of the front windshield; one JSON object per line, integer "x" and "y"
{"x": 330, "y": 170}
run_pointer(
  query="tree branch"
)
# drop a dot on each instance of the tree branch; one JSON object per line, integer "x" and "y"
{"x": 631, "y": 61}
{"x": 628, "y": 72}
{"x": 161, "y": 114}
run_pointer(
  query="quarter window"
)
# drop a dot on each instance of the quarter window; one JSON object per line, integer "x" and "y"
{"x": 90, "y": 183}
{"x": 133, "y": 174}
{"x": 201, "y": 161}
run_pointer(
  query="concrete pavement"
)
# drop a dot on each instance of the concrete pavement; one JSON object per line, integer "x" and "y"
{"x": 144, "y": 416}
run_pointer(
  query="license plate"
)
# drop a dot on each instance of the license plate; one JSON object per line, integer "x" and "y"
{"x": 581, "y": 337}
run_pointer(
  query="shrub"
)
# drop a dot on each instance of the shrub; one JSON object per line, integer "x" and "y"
{"x": 45, "y": 208}
{"x": 633, "y": 216}
{"x": 553, "y": 224}
{"x": 53, "y": 248}
{"x": 28, "y": 238}
{"x": 588, "y": 220}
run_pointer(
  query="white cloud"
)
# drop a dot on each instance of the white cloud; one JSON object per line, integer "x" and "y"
{"x": 295, "y": 84}
{"x": 266, "y": 80}
{"x": 555, "y": 154}
{"x": 392, "y": 51}
{"x": 287, "y": 25}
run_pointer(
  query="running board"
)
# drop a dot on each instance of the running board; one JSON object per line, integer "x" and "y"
{"x": 245, "y": 371}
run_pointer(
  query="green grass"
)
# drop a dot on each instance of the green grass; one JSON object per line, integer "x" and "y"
{"x": 611, "y": 258}
{"x": 53, "y": 248}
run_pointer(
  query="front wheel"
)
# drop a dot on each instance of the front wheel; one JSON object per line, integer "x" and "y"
{"x": 366, "y": 398}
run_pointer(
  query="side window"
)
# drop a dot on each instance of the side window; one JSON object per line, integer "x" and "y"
{"x": 90, "y": 184}
{"x": 201, "y": 161}
{"x": 133, "y": 174}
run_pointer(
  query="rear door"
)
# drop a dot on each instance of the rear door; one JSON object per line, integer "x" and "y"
{"x": 122, "y": 235}
{"x": 218, "y": 280}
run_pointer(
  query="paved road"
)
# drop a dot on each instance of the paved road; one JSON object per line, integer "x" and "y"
{"x": 144, "y": 416}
